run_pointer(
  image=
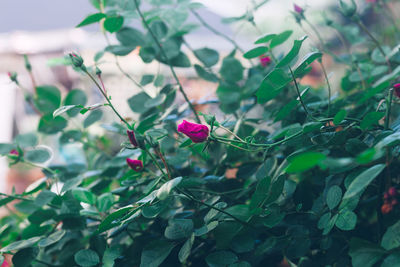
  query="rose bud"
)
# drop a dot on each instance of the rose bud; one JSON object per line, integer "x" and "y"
{"x": 392, "y": 191}
{"x": 76, "y": 60}
{"x": 196, "y": 132}
{"x": 265, "y": 60}
{"x": 298, "y": 9}
{"x": 132, "y": 138}
{"x": 14, "y": 152}
{"x": 134, "y": 164}
{"x": 396, "y": 88}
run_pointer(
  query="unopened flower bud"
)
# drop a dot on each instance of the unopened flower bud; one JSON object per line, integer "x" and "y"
{"x": 28, "y": 65}
{"x": 134, "y": 164}
{"x": 76, "y": 60}
{"x": 98, "y": 71}
{"x": 348, "y": 9}
{"x": 392, "y": 192}
{"x": 13, "y": 76}
{"x": 132, "y": 138}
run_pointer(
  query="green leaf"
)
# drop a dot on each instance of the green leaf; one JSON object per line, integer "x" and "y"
{"x": 119, "y": 50}
{"x": 38, "y": 155}
{"x": 84, "y": 195}
{"x": 261, "y": 192}
{"x": 26, "y": 140}
{"x": 51, "y": 239}
{"x": 166, "y": 188}
{"x": 280, "y": 38}
{"x": 304, "y": 162}
{"x": 17, "y": 245}
{"x": 221, "y": 258}
{"x": 179, "y": 228}
{"x": 24, "y": 257}
{"x": 339, "y": 117}
{"x": 306, "y": 61}
{"x": 391, "y": 260}
{"x": 63, "y": 109}
{"x": 113, "y": 219}
{"x": 50, "y": 125}
{"x": 391, "y": 238}
{"x": 286, "y": 109}
{"x": 333, "y": 197}
{"x": 292, "y": 53}
{"x": 131, "y": 37}
{"x": 113, "y": 24}
{"x": 86, "y": 258}
{"x": 94, "y": 115}
{"x": 155, "y": 253}
{"x": 363, "y": 180}
{"x": 137, "y": 102}
{"x": 156, "y": 101}
{"x": 272, "y": 85}
{"x": 41, "y": 215}
{"x": 255, "y": 52}
{"x": 209, "y": 57}
{"x": 265, "y": 39}
{"x": 204, "y": 74}
{"x": 181, "y": 60}
{"x": 146, "y": 79}
{"x": 75, "y": 97}
{"x": 6, "y": 148}
{"x": 47, "y": 99}
{"x": 372, "y": 118}
{"x": 184, "y": 252}
{"x": 364, "y": 253}
{"x": 231, "y": 70}
{"x": 110, "y": 255}
{"x": 346, "y": 220}
{"x": 93, "y": 18}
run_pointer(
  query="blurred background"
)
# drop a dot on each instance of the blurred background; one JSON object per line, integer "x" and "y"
{"x": 45, "y": 31}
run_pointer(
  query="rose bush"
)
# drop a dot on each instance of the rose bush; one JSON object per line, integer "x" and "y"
{"x": 284, "y": 175}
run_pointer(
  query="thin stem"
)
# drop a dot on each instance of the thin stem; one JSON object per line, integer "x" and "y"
{"x": 209, "y": 27}
{"x": 167, "y": 60}
{"x": 160, "y": 155}
{"x": 232, "y": 133}
{"x": 107, "y": 99}
{"x": 213, "y": 207}
{"x": 299, "y": 95}
{"x": 388, "y": 108}
{"x": 316, "y": 33}
{"x": 365, "y": 29}
{"x": 329, "y": 86}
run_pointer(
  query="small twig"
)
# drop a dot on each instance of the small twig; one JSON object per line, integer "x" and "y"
{"x": 167, "y": 60}
{"x": 329, "y": 85}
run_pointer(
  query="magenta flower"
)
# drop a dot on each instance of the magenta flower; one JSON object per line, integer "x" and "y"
{"x": 298, "y": 9}
{"x": 134, "y": 164}
{"x": 396, "y": 88}
{"x": 14, "y": 152}
{"x": 196, "y": 132}
{"x": 132, "y": 138}
{"x": 265, "y": 60}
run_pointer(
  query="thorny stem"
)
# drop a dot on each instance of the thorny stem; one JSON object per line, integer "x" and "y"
{"x": 107, "y": 99}
{"x": 329, "y": 86}
{"x": 167, "y": 60}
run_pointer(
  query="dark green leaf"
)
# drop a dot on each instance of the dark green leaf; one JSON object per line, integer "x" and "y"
{"x": 272, "y": 85}
{"x": 38, "y": 155}
{"x": 86, "y": 258}
{"x": 207, "y": 56}
{"x": 155, "y": 253}
{"x": 231, "y": 70}
{"x": 391, "y": 238}
{"x": 94, "y": 115}
{"x": 333, "y": 196}
{"x": 304, "y": 161}
{"x": 113, "y": 24}
{"x": 256, "y": 52}
{"x": 292, "y": 53}
{"x": 372, "y": 118}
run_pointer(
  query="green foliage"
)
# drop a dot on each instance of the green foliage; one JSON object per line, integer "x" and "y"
{"x": 286, "y": 173}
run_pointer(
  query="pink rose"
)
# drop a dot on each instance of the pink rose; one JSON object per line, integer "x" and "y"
{"x": 265, "y": 60}
{"x": 134, "y": 164}
{"x": 298, "y": 9}
{"x": 132, "y": 138}
{"x": 196, "y": 132}
{"x": 397, "y": 89}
